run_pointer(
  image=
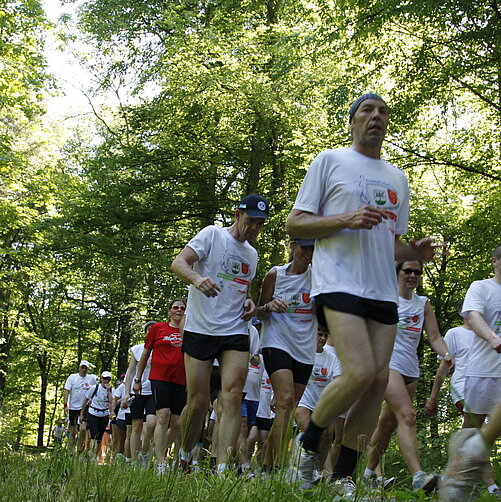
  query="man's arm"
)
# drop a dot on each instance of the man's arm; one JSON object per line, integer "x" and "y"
{"x": 131, "y": 371}
{"x": 302, "y": 224}
{"x": 82, "y": 410}
{"x": 267, "y": 303}
{"x": 140, "y": 369}
{"x": 66, "y": 397}
{"x": 422, "y": 250}
{"x": 436, "y": 341}
{"x": 430, "y": 407}
{"x": 182, "y": 267}
{"x": 482, "y": 329}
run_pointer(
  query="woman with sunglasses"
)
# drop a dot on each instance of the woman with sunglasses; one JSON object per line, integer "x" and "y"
{"x": 167, "y": 377}
{"x": 288, "y": 339}
{"x": 415, "y": 313}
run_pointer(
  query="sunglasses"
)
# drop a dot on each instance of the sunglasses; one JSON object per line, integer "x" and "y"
{"x": 409, "y": 271}
{"x": 177, "y": 307}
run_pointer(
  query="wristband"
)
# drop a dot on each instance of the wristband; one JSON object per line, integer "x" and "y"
{"x": 137, "y": 380}
{"x": 65, "y": 405}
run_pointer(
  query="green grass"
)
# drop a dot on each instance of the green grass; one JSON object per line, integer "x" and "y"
{"x": 58, "y": 477}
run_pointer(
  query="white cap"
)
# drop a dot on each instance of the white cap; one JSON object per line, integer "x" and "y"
{"x": 105, "y": 374}
{"x": 86, "y": 363}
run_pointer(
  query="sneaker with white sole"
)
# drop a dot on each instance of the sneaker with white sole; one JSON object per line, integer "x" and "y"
{"x": 306, "y": 469}
{"x": 426, "y": 481}
{"x": 344, "y": 487}
{"x": 143, "y": 459}
{"x": 464, "y": 469}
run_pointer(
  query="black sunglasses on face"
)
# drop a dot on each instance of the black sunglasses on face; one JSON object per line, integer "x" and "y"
{"x": 176, "y": 307}
{"x": 409, "y": 271}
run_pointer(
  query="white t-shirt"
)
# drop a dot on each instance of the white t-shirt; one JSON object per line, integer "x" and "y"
{"x": 232, "y": 266}
{"x": 332, "y": 351}
{"x": 99, "y": 405}
{"x": 265, "y": 397}
{"x": 78, "y": 386}
{"x": 254, "y": 341}
{"x": 459, "y": 341}
{"x": 323, "y": 373}
{"x": 137, "y": 352}
{"x": 404, "y": 358}
{"x": 484, "y": 297}
{"x": 252, "y": 385}
{"x": 295, "y": 330}
{"x": 119, "y": 393}
{"x": 357, "y": 262}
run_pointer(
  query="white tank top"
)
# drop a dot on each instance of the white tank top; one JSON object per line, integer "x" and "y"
{"x": 404, "y": 358}
{"x": 294, "y": 331}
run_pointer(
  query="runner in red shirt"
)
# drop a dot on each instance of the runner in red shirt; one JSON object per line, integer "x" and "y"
{"x": 167, "y": 376}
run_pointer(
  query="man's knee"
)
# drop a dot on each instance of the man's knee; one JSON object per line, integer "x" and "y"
{"x": 197, "y": 403}
{"x": 360, "y": 379}
{"x": 163, "y": 417}
{"x": 407, "y": 417}
{"x": 380, "y": 381}
{"x": 286, "y": 401}
{"x": 387, "y": 425}
{"x": 231, "y": 397}
{"x": 137, "y": 425}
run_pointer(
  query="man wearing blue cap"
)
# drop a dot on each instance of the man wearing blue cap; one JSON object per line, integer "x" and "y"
{"x": 219, "y": 263}
{"x": 356, "y": 206}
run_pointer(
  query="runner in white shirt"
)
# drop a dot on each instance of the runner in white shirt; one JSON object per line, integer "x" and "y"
{"x": 415, "y": 314}
{"x": 482, "y": 390}
{"x": 99, "y": 411}
{"x": 142, "y": 405}
{"x": 250, "y": 403}
{"x": 459, "y": 341}
{"x": 355, "y": 206}
{"x": 288, "y": 339}
{"x": 119, "y": 425}
{"x": 219, "y": 263}
{"x": 469, "y": 457}
{"x": 58, "y": 433}
{"x": 264, "y": 419}
{"x": 482, "y": 308}
{"x": 75, "y": 388}
{"x": 325, "y": 369}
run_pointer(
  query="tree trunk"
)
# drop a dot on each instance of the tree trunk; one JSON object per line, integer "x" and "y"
{"x": 44, "y": 365}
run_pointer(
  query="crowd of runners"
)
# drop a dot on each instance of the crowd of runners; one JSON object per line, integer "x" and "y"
{"x": 325, "y": 367}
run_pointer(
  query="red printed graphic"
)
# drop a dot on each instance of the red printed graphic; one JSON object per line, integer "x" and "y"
{"x": 391, "y": 215}
{"x": 415, "y": 318}
{"x": 324, "y": 371}
{"x": 393, "y": 196}
{"x": 245, "y": 268}
{"x": 306, "y": 298}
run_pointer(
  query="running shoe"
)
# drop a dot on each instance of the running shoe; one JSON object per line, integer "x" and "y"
{"x": 143, "y": 459}
{"x": 344, "y": 487}
{"x": 306, "y": 469}
{"x": 426, "y": 481}
{"x": 464, "y": 470}
{"x": 185, "y": 466}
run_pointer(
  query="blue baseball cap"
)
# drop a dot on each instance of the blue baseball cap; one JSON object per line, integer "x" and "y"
{"x": 255, "y": 206}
